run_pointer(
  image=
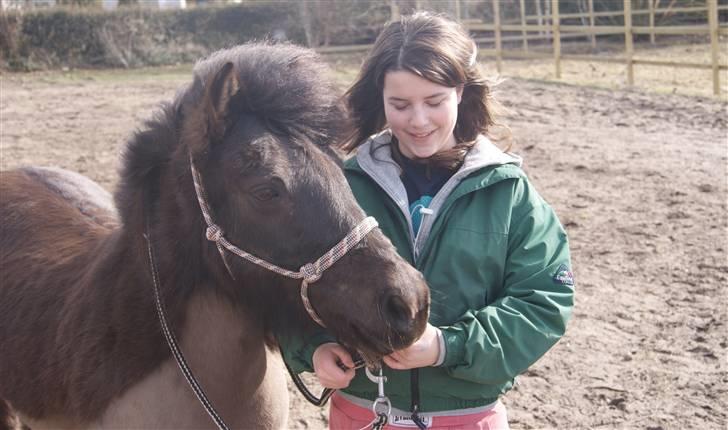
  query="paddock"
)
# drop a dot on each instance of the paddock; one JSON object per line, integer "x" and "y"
{"x": 638, "y": 180}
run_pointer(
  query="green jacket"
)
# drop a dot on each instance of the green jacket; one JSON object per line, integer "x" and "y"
{"x": 496, "y": 260}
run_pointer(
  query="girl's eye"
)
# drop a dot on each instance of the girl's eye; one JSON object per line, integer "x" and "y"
{"x": 434, "y": 104}
{"x": 400, "y": 108}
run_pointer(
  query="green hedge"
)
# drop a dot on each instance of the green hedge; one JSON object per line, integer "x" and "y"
{"x": 131, "y": 37}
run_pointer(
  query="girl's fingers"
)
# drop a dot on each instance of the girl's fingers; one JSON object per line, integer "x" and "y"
{"x": 400, "y": 357}
{"x": 329, "y": 383}
{"x": 393, "y": 363}
{"x": 344, "y": 357}
{"x": 335, "y": 377}
{"x": 396, "y": 356}
{"x": 334, "y": 372}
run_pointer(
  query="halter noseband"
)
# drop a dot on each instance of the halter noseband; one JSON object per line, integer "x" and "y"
{"x": 308, "y": 273}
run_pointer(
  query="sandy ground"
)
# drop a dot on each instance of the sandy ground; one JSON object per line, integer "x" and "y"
{"x": 639, "y": 181}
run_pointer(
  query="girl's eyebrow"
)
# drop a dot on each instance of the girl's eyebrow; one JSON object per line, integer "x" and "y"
{"x": 398, "y": 99}
{"x": 435, "y": 95}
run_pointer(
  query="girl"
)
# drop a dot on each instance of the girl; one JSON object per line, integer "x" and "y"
{"x": 462, "y": 212}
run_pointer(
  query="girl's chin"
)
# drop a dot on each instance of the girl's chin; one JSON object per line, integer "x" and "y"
{"x": 420, "y": 154}
{"x": 423, "y": 156}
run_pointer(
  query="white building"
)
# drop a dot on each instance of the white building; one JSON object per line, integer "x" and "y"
{"x": 159, "y": 4}
{"x": 26, "y": 4}
{"x": 106, "y": 4}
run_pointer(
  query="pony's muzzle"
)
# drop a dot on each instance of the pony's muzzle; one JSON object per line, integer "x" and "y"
{"x": 397, "y": 313}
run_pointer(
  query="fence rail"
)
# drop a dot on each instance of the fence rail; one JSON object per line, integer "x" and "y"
{"x": 555, "y": 31}
{"x": 610, "y": 13}
{"x": 551, "y": 29}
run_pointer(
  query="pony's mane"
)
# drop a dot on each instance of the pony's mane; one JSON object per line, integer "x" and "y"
{"x": 287, "y": 87}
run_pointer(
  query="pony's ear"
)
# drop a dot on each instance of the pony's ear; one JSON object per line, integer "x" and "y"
{"x": 223, "y": 86}
{"x": 206, "y": 119}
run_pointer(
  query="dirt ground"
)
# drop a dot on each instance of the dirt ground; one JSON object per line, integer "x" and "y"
{"x": 638, "y": 179}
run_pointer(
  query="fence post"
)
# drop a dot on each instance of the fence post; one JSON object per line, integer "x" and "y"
{"x": 651, "y": 6}
{"x": 556, "y": 23}
{"x": 591, "y": 24}
{"x": 498, "y": 44}
{"x": 458, "y": 15}
{"x": 539, "y": 17}
{"x": 713, "y": 22}
{"x": 393, "y": 11}
{"x": 524, "y": 34}
{"x": 628, "y": 43}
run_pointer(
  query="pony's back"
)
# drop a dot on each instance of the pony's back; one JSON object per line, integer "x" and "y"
{"x": 52, "y": 224}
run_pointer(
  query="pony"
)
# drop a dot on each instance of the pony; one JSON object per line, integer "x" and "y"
{"x": 82, "y": 344}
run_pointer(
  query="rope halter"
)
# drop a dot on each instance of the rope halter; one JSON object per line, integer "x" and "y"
{"x": 308, "y": 273}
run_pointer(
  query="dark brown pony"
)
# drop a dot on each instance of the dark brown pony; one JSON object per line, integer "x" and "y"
{"x": 81, "y": 345}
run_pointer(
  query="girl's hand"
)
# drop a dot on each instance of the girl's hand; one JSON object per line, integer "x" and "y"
{"x": 424, "y": 352}
{"x": 327, "y": 361}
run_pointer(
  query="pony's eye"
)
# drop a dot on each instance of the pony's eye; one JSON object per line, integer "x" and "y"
{"x": 265, "y": 193}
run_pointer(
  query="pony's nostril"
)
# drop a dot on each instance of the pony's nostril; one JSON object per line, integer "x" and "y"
{"x": 398, "y": 314}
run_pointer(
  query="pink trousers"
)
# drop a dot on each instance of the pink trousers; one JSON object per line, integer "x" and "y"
{"x": 345, "y": 415}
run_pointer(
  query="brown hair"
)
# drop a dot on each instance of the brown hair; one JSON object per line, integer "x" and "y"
{"x": 434, "y": 48}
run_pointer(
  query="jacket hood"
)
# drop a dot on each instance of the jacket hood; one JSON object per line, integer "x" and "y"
{"x": 375, "y": 157}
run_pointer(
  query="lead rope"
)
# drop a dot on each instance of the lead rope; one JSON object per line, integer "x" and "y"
{"x": 172, "y": 340}
{"x": 415, "y": 396}
{"x": 326, "y": 393}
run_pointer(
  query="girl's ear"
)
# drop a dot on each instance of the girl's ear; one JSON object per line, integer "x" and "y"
{"x": 459, "y": 92}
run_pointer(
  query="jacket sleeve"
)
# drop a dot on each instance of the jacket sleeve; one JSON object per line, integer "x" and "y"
{"x": 298, "y": 350}
{"x": 494, "y": 344}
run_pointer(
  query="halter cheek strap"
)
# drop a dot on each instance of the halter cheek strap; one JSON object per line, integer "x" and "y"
{"x": 308, "y": 273}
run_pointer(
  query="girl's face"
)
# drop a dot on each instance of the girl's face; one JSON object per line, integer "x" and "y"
{"x": 420, "y": 113}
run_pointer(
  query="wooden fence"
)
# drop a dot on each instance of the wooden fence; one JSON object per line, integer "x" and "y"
{"x": 549, "y": 28}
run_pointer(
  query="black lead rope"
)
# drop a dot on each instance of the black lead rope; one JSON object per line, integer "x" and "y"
{"x": 171, "y": 338}
{"x": 307, "y": 394}
{"x": 415, "y": 395}
{"x": 316, "y": 401}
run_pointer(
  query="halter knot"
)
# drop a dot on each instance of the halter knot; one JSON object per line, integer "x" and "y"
{"x": 214, "y": 233}
{"x": 310, "y": 273}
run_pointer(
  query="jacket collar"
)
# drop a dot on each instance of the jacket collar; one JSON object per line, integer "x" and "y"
{"x": 375, "y": 158}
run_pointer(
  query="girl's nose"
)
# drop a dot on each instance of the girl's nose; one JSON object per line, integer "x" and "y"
{"x": 419, "y": 117}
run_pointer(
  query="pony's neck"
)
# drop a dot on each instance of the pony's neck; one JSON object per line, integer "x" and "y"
{"x": 224, "y": 348}
{"x": 112, "y": 322}
{"x": 188, "y": 262}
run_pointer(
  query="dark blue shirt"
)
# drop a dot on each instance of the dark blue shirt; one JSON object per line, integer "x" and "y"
{"x": 422, "y": 182}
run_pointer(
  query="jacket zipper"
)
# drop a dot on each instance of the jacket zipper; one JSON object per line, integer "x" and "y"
{"x": 415, "y": 251}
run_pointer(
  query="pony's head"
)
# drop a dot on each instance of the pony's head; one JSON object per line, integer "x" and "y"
{"x": 256, "y": 124}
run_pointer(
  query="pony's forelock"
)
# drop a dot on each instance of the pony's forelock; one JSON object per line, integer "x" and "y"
{"x": 288, "y": 88}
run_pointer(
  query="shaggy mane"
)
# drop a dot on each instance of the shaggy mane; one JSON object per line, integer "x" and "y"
{"x": 288, "y": 88}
